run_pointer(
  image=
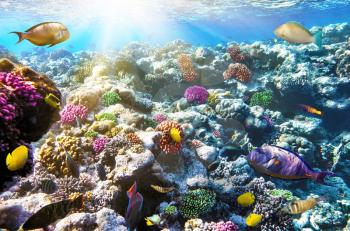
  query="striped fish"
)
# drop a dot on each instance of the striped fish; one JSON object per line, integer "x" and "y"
{"x": 162, "y": 189}
{"x": 48, "y": 186}
{"x": 300, "y": 206}
{"x": 52, "y": 212}
{"x": 73, "y": 167}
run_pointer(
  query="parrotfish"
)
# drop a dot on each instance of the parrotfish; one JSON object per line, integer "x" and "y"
{"x": 133, "y": 211}
{"x": 300, "y": 206}
{"x": 46, "y": 33}
{"x": 285, "y": 164}
{"x": 294, "y": 32}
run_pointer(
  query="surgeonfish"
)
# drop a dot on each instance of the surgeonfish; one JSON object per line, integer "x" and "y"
{"x": 311, "y": 110}
{"x": 17, "y": 159}
{"x": 52, "y": 212}
{"x": 294, "y": 32}
{"x": 246, "y": 199}
{"x": 153, "y": 220}
{"x": 175, "y": 135}
{"x": 46, "y": 33}
{"x": 162, "y": 189}
{"x": 300, "y": 206}
{"x": 134, "y": 207}
{"x": 282, "y": 163}
{"x": 48, "y": 186}
{"x": 72, "y": 166}
{"x": 253, "y": 219}
{"x": 52, "y": 101}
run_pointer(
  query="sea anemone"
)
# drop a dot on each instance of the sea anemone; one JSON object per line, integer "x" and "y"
{"x": 197, "y": 202}
{"x": 196, "y": 94}
{"x": 239, "y": 71}
{"x": 172, "y": 136}
{"x": 110, "y": 98}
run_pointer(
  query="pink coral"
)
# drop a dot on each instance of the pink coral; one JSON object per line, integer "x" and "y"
{"x": 160, "y": 117}
{"x": 239, "y": 71}
{"x": 226, "y": 226}
{"x": 100, "y": 143}
{"x": 196, "y": 94}
{"x": 71, "y": 112}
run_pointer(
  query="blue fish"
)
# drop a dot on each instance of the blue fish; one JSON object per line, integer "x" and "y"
{"x": 134, "y": 207}
{"x": 285, "y": 164}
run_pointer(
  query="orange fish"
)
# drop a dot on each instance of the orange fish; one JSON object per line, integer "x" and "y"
{"x": 311, "y": 110}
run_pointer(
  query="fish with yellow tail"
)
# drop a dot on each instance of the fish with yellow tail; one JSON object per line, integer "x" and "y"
{"x": 17, "y": 159}
{"x": 46, "y": 33}
{"x": 162, "y": 189}
{"x": 253, "y": 219}
{"x": 153, "y": 220}
{"x": 301, "y": 206}
{"x": 246, "y": 199}
{"x": 311, "y": 110}
{"x": 296, "y": 33}
{"x": 53, "y": 101}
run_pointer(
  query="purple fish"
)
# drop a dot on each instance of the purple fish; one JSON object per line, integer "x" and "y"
{"x": 134, "y": 207}
{"x": 282, "y": 163}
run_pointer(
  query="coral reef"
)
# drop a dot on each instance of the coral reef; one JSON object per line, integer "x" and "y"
{"x": 196, "y": 203}
{"x": 196, "y": 94}
{"x": 238, "y": 71}
{"x": 167, "y": 142}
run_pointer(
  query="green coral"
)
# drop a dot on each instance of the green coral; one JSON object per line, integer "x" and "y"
{"x": 286, "y": 194}
{"x": 91, "y": 133}
{"x": 263, "y": 98}
{"x": 106, "y": 116}
{"x": 197, "y": 202}
{"x": 170, "y": 210}
{"x": 110, "y": 98}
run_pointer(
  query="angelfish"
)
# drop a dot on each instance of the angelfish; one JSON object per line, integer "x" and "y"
{"x": 134, "y": 207}
{"x": 285, "y": 164}
{"x": 294, "y": 32}
{"x": 46, "y": 33}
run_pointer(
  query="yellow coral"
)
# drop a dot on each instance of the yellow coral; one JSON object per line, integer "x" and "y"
{"x": 213, "y": 99}
{"x": 175, "y": 135}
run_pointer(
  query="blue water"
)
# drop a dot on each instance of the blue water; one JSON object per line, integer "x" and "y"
{"x": 104, "y": 31}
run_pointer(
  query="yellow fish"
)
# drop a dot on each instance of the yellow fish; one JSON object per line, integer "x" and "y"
{"x": 162, "y": 189}
{"x": 53, "y": 101}
{"x": 153, "y": 220}
{"x": 46, "y": 33}
{"x": 175, "y": 135}
{"x": 246, "y": 199}
{"x": 253, "y": 219}
{"x": 17, "y": 159}
{"x": 294, "y": 32}
{"x": 300, "y": 206}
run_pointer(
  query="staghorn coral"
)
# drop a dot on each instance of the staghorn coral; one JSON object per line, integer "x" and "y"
{"x": 71, "y": 113}
{"x": 235, "y": 53}
{"x": 110, "y": 98}
{"x": 186, "y": 67}
{"x": 100, "y": 143}
{"x": 263, "y": 99}
{"x": 196, "y": 94}
{"x": 239, "y": 71}
{"x": 167, "y": 144}
{"x": 196, "y": 203}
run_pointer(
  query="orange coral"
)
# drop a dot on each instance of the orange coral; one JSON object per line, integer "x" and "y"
{"x": 133, "y": 139}
{"x": 239, "y": 71}
{"x": 167, "y": 144}
{"x": 186, "y": 67}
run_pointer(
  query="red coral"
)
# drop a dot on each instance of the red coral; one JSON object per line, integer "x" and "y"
{"x": 239, "y": 71}
{"x": 235, "y": 53}
{"x": 186, "y": 67}
{"x": 167, "y": 144}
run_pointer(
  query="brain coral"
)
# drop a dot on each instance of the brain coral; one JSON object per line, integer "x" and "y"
{"x": 167, "y": 143}
{"x": 239, "y": 71}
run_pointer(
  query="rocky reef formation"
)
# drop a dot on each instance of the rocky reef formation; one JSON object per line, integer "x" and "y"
{"x": 179, "y": 121}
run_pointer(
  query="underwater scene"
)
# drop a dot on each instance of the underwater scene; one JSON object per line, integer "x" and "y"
{"x": 175, "y": 115}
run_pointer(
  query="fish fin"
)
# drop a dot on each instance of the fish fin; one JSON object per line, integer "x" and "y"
{"x": 21, "y": 36}
{"x": 318, "y": 39}
{"x": 319, "y": 176}
{"x": 53, "y": 44}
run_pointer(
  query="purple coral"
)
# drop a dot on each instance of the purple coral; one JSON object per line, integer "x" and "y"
{"x": 100, "y": 143}
{"x": 226, "y": 226}
{"x": 196, "y": 94}
{"x": 71, "y": 112}
{"x": 160, "y": 118}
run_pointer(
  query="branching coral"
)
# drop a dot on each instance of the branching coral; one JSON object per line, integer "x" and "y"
{"x": 235, "y": 53}
{"x": 239, "y": 71}
{"x": 186, "y": 67}
{"x": 133, "y": 139}
{"x": 71, "y": 113}
{"x": 110, "y": 98}
{"x": 196, "y": 94}
{"x": 197, "y": 202}
{"x": 91, "y": 134}
{"x": 263, "y": 98}
{"x": 167, "y": 143}
{"x": 99, "y": 144}
{"x": 159, "y": 117}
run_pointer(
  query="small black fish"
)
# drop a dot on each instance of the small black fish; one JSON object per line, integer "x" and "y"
{"x": 230, "y": 152}
{"x": 72, "y": 166}
{"x": 101, "y": 172}
{"x": 48, "y": 186}
{"x": 52, "y": 212}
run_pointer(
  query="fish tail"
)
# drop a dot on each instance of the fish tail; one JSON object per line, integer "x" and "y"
{"x": 319, "y": 176}
{"x": 21, "y": 36}
{"x": 318, "y": 39}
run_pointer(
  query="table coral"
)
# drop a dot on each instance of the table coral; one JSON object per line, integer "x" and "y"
{"x": 167, "y": 144}
{"x": 196, "y": 94}
{"x": 239, "y": 71}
